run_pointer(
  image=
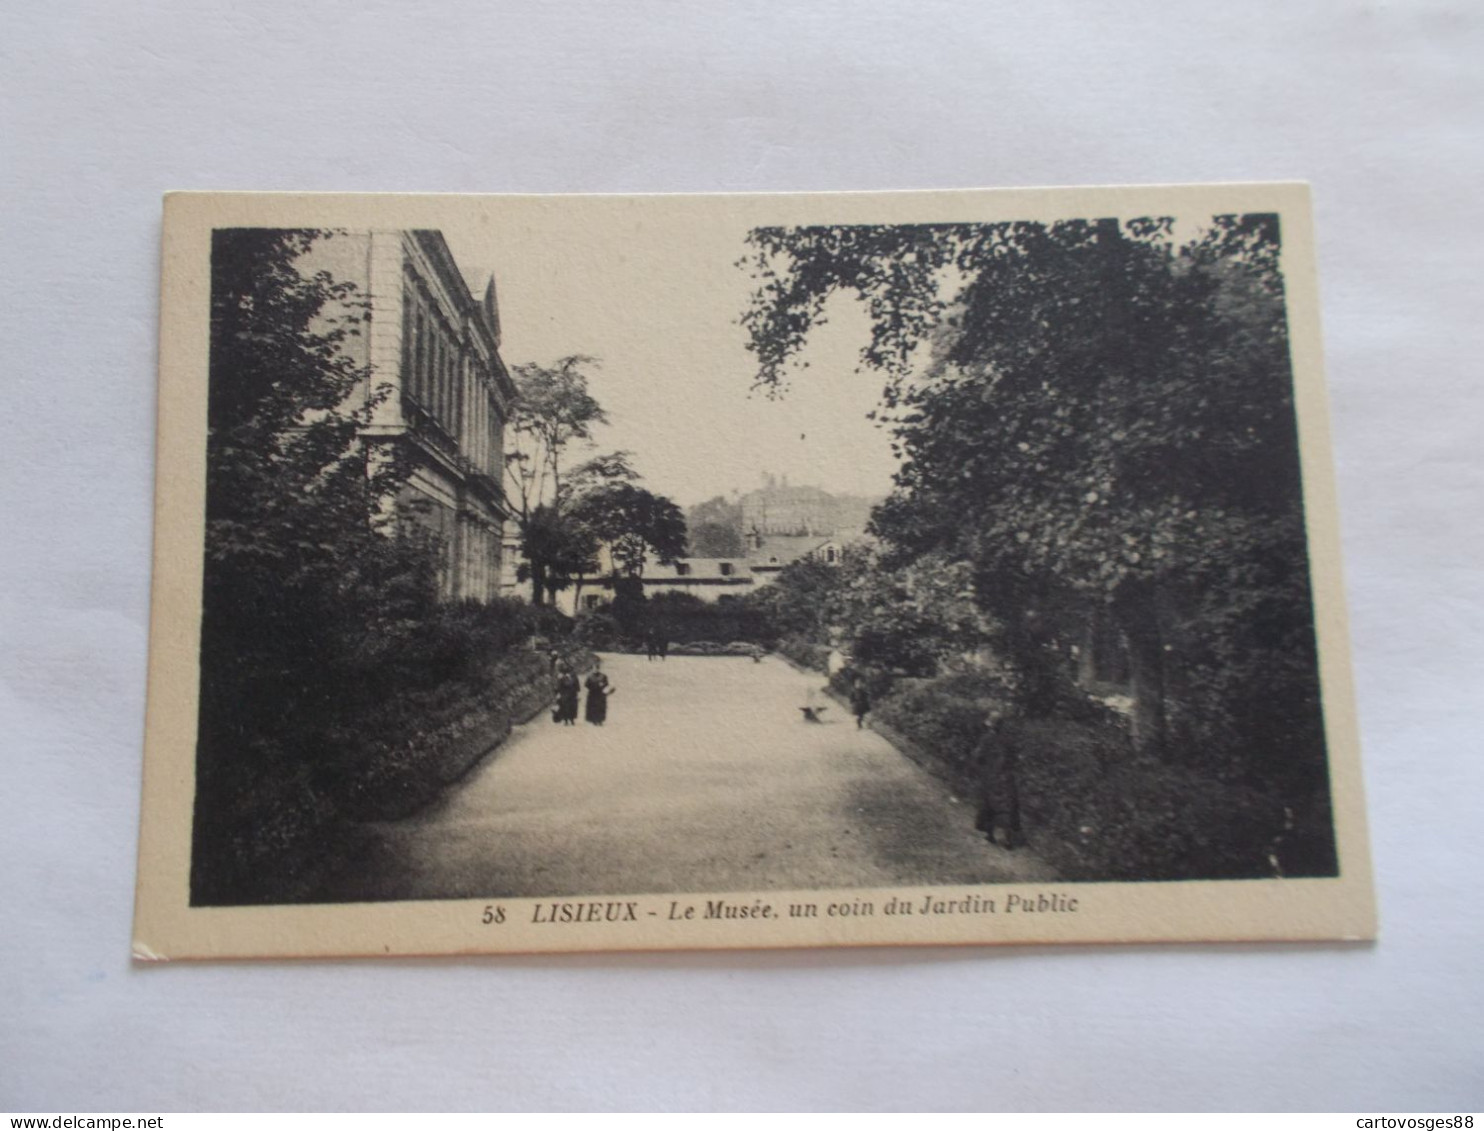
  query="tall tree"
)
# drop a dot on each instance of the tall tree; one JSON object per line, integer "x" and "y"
{"x": 297, "y": 507}
{"x": 1086, "y": 411}
{"x": 597, "y": 472}
{"x": 633, "y": 523}
{"x": 713, "y": 540}
{"x": 801, "y": 601}
{"x": 554, "y": 410}
{"x": 719, "y": 510}
{"x": 304, "y": 569}
{"x": 559, "y": 550}
{"x": 716, "y": 529}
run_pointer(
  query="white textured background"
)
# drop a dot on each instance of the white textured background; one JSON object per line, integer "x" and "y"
{"x": 106, "y": 105}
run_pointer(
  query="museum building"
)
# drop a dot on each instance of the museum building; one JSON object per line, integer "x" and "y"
{"x": 435, "y": 350}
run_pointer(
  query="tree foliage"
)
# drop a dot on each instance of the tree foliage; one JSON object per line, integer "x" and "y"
{"x": 281, "y": 419}
{"x": 909, "y": 618}
{"x": 558, "y": 551}
{"x": 800, "y": 600}
{"x": 1088, "y": 412}
{"x": 553, "y": 410}
{"x": 309, "y": 579}
{"x": 713, "y": 540}
{"x": 633, "y": 523}
{"x": 301, "y": 533}
{"x": 597, "y": 472}
{"x": 715, "y": 527}
{"x": 567, "y": 513}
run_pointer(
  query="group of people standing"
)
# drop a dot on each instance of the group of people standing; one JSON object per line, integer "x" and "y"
{"x": 569, "y": 692}
{"x": 656, "y": 644}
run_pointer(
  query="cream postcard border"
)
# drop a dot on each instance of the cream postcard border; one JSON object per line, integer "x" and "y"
{"x": 167, "y": 927}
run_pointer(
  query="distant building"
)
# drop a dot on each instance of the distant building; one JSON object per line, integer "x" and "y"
{"x": 709, "y": 579}
{"x": 781, "y": 525}
{"x": 438, "y": 349}
{"x": 778, "y": 508}
{"x": 784, "y": 524}
{"x": 768, "y": 554}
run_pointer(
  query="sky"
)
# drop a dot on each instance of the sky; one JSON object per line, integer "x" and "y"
{"x": 650, "y": 287}
{"x": 656, "y": 300}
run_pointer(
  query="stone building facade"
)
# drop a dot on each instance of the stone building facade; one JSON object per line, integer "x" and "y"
{"x": 709, "y": 579}
{"x": 802, "y": 511}
{"x": 445, "y": 394}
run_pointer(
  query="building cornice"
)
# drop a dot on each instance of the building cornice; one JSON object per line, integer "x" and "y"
{"x": 435, "y": 249}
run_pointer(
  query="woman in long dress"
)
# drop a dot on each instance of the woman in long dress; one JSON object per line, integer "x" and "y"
{"x": 998, "y": 757}
{"x": 598, "y": 690}
{"x": 567, "y": 689}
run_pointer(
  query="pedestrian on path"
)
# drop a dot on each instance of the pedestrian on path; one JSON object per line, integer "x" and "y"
{"x": 567, "y": 689}
{"x": 598, "y": 690}
{"x": 860, "y": 701}
{"x": 997, "y": 758}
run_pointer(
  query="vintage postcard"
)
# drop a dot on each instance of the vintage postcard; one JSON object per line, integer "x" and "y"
{"x": 598, "y": 573}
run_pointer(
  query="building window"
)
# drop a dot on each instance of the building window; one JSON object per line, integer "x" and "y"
{"x": 682, "y": 569}
{"x": 408, "y": 331}
{"x": 456, "y": 372}
{"x": 496, "y": 441}
{"x": 420, "y": 362}
{"x": 590, "y": 601}
{"x": 726, "y": 569}
{"x": 440, "y": 378}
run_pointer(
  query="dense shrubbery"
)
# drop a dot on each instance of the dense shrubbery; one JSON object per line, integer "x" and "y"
{"x": 712, "y": 648}
{"x": 1097, "y": 438}
{"x": 690, "y": 625}
{"x": 1086, "y": 804}
{"x": 686, "y": 619}
{"x": 1096, "y": 814}
{"x": 334, "y": 684}
{"x": 944, "y": 718}
{"x": 708, "y": 648}
{"x": 421, "y": 742}
{"x": 814, "y": 657}
{"x": 378, "y": 732}
{"x": 598, "y": 629}
{"x": 1090, "y": 803}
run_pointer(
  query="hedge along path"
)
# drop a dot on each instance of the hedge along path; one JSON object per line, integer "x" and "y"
{"x": 410, "y": 770}
{"x": 704, "y": 778}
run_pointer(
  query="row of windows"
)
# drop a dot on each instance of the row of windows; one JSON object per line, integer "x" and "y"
{"x": 683, "y": 569}
{"x": 470, "y": 565}
{"x": 439, "y": 377}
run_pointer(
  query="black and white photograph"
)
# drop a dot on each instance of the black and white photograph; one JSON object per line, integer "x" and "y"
{"x": 751, "y": 556}
{"x": 668, "y": 572}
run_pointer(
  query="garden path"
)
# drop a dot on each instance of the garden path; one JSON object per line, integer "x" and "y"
{"x": 705, "y": 778}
